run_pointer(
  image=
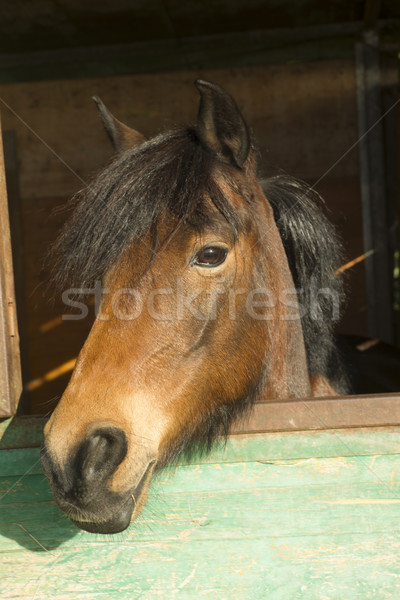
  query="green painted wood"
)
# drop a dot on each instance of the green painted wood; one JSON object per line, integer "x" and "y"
{"x": 277, "y": 517}
{"x": 232, "y": 477}
{"x": 318, "y": 568}
{"x": 21, "y": 432}
{"x": 270, "y": 512}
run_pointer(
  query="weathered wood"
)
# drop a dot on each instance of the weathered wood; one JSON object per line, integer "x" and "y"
{"x": 318, "y": 526}
{"x": 17, "y": 247}
{"x": 21, "y": 432}
{"x": 241, "y": 447}
{"x": 10, "y": 368}
{"x": 308, "y": 414}
{"x": 377, "y": 410}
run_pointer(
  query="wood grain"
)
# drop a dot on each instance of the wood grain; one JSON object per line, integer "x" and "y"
{"x": 283, "y": 517}
{"x": 10, "y": 366}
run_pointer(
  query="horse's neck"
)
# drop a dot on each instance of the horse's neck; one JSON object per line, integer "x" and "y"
{"x": 287, "y": 372}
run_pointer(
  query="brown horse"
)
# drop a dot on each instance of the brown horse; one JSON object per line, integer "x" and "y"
{"x": 213, "y": 297}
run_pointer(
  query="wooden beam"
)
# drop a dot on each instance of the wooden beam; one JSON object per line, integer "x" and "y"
{"x": 323, "y": 413}
{"x": 214, "y": 51}
{"x": 10, "y": 368}
{"x": 17, "y": 246}
{"x": 371, "y": 13}
{"x": 264, "y": 46}
{"x": 376, "y": 227}
{"x": 307, "y": 414}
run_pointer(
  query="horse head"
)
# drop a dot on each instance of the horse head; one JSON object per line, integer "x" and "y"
{"x": 192, "y": 327}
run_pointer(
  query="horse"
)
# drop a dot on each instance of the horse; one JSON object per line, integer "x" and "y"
{"x": 217, "y": 291}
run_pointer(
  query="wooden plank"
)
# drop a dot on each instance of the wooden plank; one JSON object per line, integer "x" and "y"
{"x": 291, "y": 568}
{"x": 21, "y": 432}
{"x": 376, "y": 410}
{"x": 10, "y": 368}
{"x": 254, "y": 47}
{"x": 308, "y": 414}
{"x": 320, "y": 528}
{"x": 267, "y": 46}
{"x": 213, "y": 51}
{"x": 257, "y": 446}
{"x": 17, "y": 246}
{"x": 238, "y": 507}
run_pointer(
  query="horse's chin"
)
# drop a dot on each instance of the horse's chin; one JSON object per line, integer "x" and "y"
{"x": 117, "y": 524}
{"x": 126, "y": 513}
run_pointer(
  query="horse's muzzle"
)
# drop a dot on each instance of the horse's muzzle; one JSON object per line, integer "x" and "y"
{"x": 126, "y": 511}
{"x": 81, "y": 485}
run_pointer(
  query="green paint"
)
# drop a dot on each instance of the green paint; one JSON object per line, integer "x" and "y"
{"x": 27, "y": 432}
{"x": 21, "y": 432}
{"x": 310, "y": 516}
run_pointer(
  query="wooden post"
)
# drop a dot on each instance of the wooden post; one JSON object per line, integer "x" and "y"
{"x": 10, "y": 367}
{"x": 371, "y": 13}
{"x": 376, "y": 228}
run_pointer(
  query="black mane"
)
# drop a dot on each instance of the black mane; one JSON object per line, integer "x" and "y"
{"x": 314, "y": 253}
{"x": 170, "y": 173}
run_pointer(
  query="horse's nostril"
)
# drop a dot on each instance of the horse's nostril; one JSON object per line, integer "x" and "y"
{"x": 100, "y": 453}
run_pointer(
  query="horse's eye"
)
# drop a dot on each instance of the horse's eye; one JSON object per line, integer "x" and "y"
{"x": 210, "y": 256}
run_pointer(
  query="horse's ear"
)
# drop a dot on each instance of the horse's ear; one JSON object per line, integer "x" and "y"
{"x": 122, "y": 137}
{"x": 220, "y": 124}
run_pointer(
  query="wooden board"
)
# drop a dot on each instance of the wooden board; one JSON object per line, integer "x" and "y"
{"x": 219, "y": 50}
{"x": 10, "y": 368}
{"x": 307, "y": 414}
{"x": 299, "y": 414}
{"x": 310, "y": 516}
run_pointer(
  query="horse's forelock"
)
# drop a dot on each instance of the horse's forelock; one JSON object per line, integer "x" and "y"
{"x": 172, "y": 173}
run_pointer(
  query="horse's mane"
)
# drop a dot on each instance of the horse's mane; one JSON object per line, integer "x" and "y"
{"x": 314, "y": 252}
{"x": 171, "y": 173}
